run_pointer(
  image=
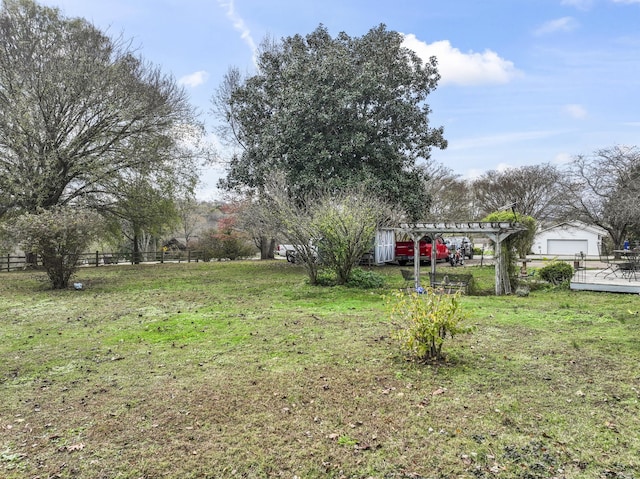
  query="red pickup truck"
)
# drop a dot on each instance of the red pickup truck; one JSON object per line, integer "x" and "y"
{"x": 404, "y": 251}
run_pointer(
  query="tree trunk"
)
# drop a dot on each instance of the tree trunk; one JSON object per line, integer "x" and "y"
{"x": 267, "y": 247}
{"x": 31, "y": 259}
{"x": 135, "y": 259}
{"x": 617, "y": 237}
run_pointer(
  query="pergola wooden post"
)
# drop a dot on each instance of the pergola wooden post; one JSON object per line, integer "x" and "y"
{"x": 416, "y": 254}
{"x": 495, "y": 231}
{"x": 503, "y": 285}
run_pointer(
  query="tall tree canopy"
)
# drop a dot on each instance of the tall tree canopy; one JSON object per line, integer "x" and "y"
{"x": 80, "y": 112}
{"x": 335, "y": 112}
{"x": 535, "y": 189}
{"x": 604, "y": 189}
{"x": 451, "y": 197}
{"x": 142, "y": 212}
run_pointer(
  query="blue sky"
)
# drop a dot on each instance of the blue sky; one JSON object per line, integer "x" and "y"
{"x": 523, "y": 81}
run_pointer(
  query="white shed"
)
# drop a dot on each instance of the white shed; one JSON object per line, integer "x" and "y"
{"x": 569, "y": 238}
{"x": 385, "y": 245}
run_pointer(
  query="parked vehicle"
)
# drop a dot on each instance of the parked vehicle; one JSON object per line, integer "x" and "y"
{"x": 292, "y": 254}
{"x": 461, "y": 243}
{"x": 284, "y": 248}
{"x": 456, "y": 258}
{"x": 404, "y": 251}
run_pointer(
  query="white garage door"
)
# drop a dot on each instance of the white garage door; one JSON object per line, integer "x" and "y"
{"x": 566, "y": 246}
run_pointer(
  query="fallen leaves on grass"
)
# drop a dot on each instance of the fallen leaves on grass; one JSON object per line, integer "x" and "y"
{"x": 72, "y": 448}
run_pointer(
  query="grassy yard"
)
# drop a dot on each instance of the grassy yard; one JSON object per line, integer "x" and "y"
{"x": 241, "y": 369}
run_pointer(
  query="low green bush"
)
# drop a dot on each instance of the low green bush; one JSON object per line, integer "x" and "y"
{"x": 364, "y": 279}
{"x": 326, "y": 277}
{"x": 359, "y": 278}
{"x": 425, "y": 320}
{"x": 557, "y": 272}
{"x": 224, "y": 245}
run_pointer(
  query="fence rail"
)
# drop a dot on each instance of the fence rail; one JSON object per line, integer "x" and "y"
{"x": 10, "y": 262}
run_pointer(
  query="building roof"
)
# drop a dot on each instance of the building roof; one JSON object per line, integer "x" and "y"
{"x": 577, "y": 225}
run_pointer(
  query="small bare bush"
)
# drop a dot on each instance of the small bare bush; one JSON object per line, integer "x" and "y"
{"x": 425, "y": 321}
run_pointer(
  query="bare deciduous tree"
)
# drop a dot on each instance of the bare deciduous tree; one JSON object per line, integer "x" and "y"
{"x": 257, "y": 220}
{"x": 333, "y": 227}
{"x": 451, "y": 197}
{"x": 535, "y": 189}
{"x": 187, "y": 209}
{"x": 604, "y": 189}
{"x": 293, "y": 221}
{"x": 80, "y": 111}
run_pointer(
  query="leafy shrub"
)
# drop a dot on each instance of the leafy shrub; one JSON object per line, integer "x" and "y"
{"x": 360, "y": 278}
{"x": 516, "y": 245}
{"x": 425, "y": 321}
{"x": 556, "y": 272}
{"x": 59, "y": 235}
{"x": 224, "y": 245}
{"x": 344, "y": 224}
{"x": 326, "y": 277}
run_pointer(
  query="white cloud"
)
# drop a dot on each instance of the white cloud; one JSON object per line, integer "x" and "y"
{"x": 473, "y": 173}
{"x": 564, "y": 24}
{"x": 463, "y": 68}
{"x": 629, "y": 2}
{"x": 195, "y": 79}
{"x": 502, "y": 167}
{"x": 240, "y": 26}
{"x": 500, "y": 139}
{"x": 562, "y": 158}
{"x": 575, "y": 111}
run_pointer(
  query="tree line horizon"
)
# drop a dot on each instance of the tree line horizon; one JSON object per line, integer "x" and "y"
{"x": 90, "y": 125}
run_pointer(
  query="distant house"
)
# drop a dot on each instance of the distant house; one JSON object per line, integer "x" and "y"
{"x": 174, "y": 245}
{"x": 569, "y": 238}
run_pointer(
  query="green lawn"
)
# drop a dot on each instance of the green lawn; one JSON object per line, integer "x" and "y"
{"x": 241, "y": 369}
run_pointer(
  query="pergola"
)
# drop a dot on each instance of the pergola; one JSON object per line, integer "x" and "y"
{"x": 495, "y": 231}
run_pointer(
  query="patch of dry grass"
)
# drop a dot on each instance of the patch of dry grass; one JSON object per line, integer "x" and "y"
{"x": 243, "y": 370}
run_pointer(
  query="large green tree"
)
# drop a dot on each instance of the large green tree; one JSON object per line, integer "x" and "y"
{"x": 141, "y": 213}
{"x": 78, "y": 107}
{"x": 335, "y": 112}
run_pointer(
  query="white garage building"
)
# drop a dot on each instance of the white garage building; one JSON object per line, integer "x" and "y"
{"x": 568, "y": 239}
